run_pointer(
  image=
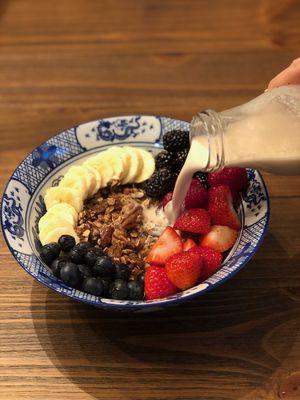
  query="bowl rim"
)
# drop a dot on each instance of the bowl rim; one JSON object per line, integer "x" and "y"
{"x": 128, "y": 304}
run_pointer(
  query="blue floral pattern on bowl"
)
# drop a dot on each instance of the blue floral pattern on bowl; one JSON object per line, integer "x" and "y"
{"x": 23, "y": 205}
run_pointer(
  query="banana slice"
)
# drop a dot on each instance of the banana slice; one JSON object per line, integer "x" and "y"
{"x": 48, "y": 222}
{"x": 57, "y": 194}
{"x": 56, "y": 233}
{"x": 81, "y": 171}
{"x": 65, "y": 211}
{"x": 148, "y": 166}
{"x": 135, "y": 164}
{"x": 115, "y": 162}
{"x": 95, "y": 180}
{"x": 118, "y": 153}
{"x": 103, "y": 167}
{"x": 73, "y": 181}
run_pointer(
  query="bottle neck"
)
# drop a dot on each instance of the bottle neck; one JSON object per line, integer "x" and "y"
{"x": 209, "y": 128}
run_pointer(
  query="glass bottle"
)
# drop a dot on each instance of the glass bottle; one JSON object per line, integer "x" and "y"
{"x": 263, "y": 133}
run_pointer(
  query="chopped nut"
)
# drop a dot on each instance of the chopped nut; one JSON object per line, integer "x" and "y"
{"x": 106, "y": 235}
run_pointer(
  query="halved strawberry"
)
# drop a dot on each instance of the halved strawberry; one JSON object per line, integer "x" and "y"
{"x": 196, "y": 196}
{"x": 211, "y": 259}
{"x": 168, "y": 243}
{"x": 157, "y": 283}
{"x": 235, "y": 178}
{"x": 221, "y": 208}
{"x": 167, "y": 197}
{"x": 196, "y": 220}
{"x": 219, "y": 238}
{"x": 188, "y": 244}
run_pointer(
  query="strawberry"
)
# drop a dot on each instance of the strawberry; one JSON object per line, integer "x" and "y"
{"x": 168, "y": 243}
{"x": 184, "y": 269}
{"x": 157, "y": 283}
{"x": 219, "y": 238}
{"x": 196, "y": 196}
{"x": 188, "y": 245}
{"x": 221, "y": 208}
{"x": 195, "y": 220}
{"x": 211, "y": 259}
{"x": 235, "y": 178}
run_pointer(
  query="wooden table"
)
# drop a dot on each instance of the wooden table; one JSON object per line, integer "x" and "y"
{"x": 63, "y": 62}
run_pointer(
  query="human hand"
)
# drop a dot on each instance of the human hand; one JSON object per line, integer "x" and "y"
{"x": 289, "y": 76}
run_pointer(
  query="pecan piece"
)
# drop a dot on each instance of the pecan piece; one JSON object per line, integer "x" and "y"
{"x": 131, "y": 215}
{"x": 106, "y": 235}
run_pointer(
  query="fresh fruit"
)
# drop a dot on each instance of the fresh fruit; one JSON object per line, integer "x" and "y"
{"x": 76, "y": 256}
{"x": 202, "y": 177}
{"x": 164, "y": 159}
{"x": 219, "y": 238}
{"x": 84, "y": 174}
{"x": 135, "y": 290}
{"x": 160, "y": 183}
{"x": 118, "y": 290}
{"x": 74, "y": 181}
{"x": 65, "y": 211}
{"x": 179, "y": 159}
{"x": 118, "y": 152}
{"x": 166, "y": 199}
{"x": 66, "y": 242}
{"x": 141, "y": 278}
{"x": 83, "y": 247}
{"x": 195, "y": 220}
{"x": 56, "y": 195}
{"x": 211, "y": 260}
{"x": 176, "y": 140}
{"x": 188, "y": 244}
{"x": 157, "y": 283}
{"x": 196, "y": 196}
{"x": 85, "y": 271}
{"x": 235, "y": 178}
{"x": 103, "y": 167}
{"x": 56, "y": 233}
{"x": 168, "y": 243}
{"x": 106, "y": 285}
{"x": 104, "y": 267}
{"x": 135, "y": 164}
{"x": 148, "y": 166}
{"x": 90, "y": 257}
{"x": 69, "y": 274}
{"x": 95, "y": 180}
{"x": 184, "y": 269}
{"x": 56, "y": 266}
{"x": 50, "y": 252}
{"x": 48, "y": 222}
{"x": 93, "y": 286}
{"x": 122, "y": 272}
{"x": 221, "y": 208}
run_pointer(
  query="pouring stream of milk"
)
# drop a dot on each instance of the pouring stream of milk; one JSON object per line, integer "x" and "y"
{"x": 196, "y": 160}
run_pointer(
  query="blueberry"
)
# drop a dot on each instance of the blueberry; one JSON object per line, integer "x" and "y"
{"x": 56, "y": 266}
{"x": 92, "y": 255}
{"x": 93, "y": 286}
{"x": 49, "y": 252}
{"x": 118, "y": 290}
{"x": 75, "y": 256}
{"x": 122, "y": 272}
{"x": 66, "y": 242}
{"x": 141, "y": 278}
{"x": 106, "y": 284}
{"x": 136, "y": 290}
{"x": 104, "y": 267}
{"x": 69, "y": 274}
{"x": 84, "y": 271}
{"x": 83, "y": 247}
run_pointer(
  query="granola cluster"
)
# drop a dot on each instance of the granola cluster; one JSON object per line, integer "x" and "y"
{"x": 113, "y": 220}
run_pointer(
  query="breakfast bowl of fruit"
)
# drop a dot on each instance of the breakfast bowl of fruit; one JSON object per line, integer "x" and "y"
{"x": 86, "y": 215}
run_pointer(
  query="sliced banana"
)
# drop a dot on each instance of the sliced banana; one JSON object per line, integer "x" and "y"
{"x": 104, "y": 168}
{"x": 135, "y": 164}
{"x": 118, "y": 153}
{"x": 56, "y": 233}
{"x": 57, "y": 194}
{"x": 65, "y": 211}
{"x": 48, "y": 222}
{"x": 81, "y": 171}
{"x": 148, "y": 166}
{"x": 73, "y": 181}
{"x": 95, "y": 180}
{"x": 107, "y": 158}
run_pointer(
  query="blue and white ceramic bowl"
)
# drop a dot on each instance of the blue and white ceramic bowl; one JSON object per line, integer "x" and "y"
{"x": 22, "y": 203}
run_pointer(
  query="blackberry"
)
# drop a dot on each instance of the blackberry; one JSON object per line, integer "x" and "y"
{"x": 160, "y": 183}
{"x": 202, "y": 178}
{"x": 163, "y": 159}
{"x": 179, "y": 160}
{"x": 176, "y": 140}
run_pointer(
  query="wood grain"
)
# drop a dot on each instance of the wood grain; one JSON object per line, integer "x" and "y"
{"x": 68, "y": 61}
